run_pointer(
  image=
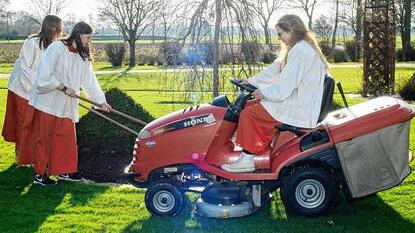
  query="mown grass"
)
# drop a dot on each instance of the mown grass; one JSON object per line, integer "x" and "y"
{"x": 349, "y": 76}
{"x": 70, "y": 207}
{"x": 6, "y": 68}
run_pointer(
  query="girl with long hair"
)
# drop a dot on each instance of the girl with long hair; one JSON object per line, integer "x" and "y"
{"x": 289, "y": 92}
{"x": 64, "y": 69}
{"x": 22, "y": 79}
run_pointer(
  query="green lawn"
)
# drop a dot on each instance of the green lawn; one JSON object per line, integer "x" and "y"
{"x": 349, "y": 77}
{"x": 70, "y": 207}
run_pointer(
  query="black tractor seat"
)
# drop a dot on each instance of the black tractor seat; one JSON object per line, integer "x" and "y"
{"x": 324, "y": 110}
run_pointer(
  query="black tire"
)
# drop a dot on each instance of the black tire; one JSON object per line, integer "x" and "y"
{"x": 310, "y": 191}
{"x": 164, "y": 198}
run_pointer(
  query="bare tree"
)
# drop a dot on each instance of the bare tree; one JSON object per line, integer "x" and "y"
{"x": 403, "y": 14}
{"x": 308, "y": 6}
{"x": 336, "y": 23}
{"x": 168, "y": 15}
{"x": 40, "y": 8}
{"x": 3, "y": 5}
{"x": 233, "y": 20}
{"x": 351, "y": 14}
{"x": 132, "y": 17}
{"x": 264, "y": 10}
{"x": 323, "y": 29}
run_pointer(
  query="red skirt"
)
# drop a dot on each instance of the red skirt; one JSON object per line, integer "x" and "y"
{"x": 15, "y": 114}
{"x": 256, "y": 128}
{"x": 13, "y": 123}
{"x": 53, "y": 143}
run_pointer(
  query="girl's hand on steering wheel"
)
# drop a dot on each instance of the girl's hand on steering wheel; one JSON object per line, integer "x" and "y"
{"x": 244, "y": 81}
{"x": 257, "y": 94}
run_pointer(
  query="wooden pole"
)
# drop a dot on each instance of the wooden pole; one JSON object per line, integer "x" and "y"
{"x": 109, "y": 119}
{"x": 114, "y": 111}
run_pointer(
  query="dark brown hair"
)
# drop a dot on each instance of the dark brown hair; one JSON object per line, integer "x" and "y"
{"x": 51, "y": 26}
{"x": 79, "y": 29}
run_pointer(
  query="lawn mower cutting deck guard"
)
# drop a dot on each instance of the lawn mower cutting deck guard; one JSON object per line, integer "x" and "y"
{"x": 183, "y": 151}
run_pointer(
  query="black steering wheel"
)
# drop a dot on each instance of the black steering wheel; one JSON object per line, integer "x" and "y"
{"x": 240, "y": 84}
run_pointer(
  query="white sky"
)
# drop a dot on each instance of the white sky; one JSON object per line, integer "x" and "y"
{"x": 82, "y": 9}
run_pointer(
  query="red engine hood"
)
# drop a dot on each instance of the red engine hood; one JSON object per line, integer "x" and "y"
{"x": 185, "y": 117}
{"x": 360, "y": 119}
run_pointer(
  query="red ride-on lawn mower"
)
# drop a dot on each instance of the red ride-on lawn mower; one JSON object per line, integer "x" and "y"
{"x": 362, "y": 150}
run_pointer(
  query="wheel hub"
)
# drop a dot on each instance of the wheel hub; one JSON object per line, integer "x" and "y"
{"x": 310, "y": 193}
{"x": 163, "y": 201}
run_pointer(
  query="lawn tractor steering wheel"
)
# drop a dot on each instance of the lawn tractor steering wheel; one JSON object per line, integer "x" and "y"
{"x": 248, "y": 87}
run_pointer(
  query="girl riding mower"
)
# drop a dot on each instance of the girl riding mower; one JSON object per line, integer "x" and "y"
{"x": 184, "y": 151}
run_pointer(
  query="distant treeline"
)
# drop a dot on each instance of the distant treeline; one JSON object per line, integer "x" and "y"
{"x": 96, "y": 37}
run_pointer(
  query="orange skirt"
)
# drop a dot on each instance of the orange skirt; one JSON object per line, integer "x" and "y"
{"x": 52, "y": 143}
{"x": 15, "y": 114}
{"x": 256, "y": 128}
{"x": 13, "y": 124}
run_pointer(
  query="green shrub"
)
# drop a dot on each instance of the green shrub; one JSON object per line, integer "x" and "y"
{"x": 325, "y": 48}
{"x": 96, "y": 135}
{"x": 407, "y": 89}
{"x": 409, "y": 55}
{"x": 171, "y": 53}
{"x": 268, "y": 57}
{"x": 148, "y": 55}
{"x": 339, "y": 55}
{"x": 251, "y": 51}
{"x": 115, "y": 53}
{"x": 350, "y": 47}
{"x": 228, "y": 57}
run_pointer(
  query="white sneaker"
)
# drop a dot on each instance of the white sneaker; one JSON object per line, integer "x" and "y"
{"x": 245, "y": 163}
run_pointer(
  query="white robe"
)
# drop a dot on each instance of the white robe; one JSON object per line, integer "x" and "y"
{"x": 24, "y": 69}
{"x": 59, "y": 66}
{"x": 293, "y": 95}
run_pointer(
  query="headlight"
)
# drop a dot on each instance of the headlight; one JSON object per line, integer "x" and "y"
{"x": 144, "y": 134}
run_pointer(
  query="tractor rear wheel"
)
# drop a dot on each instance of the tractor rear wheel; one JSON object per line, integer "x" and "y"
{"x": 310, "y": 191}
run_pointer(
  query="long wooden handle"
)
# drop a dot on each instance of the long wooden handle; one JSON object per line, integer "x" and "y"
{"x": 109, "y": 119}
{"x": 114, "y": 111}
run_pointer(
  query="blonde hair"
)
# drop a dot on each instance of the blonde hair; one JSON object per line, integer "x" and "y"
{"x": 299, "y": 32}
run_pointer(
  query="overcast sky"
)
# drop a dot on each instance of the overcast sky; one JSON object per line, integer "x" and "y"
{"x": 82, "y": 9}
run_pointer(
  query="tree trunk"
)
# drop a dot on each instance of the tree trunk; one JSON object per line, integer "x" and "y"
{"x": 406, "y": 29}
{"x": 310, "y": 23}
{"x": 359, "y": 24}
{"x": 267, "y": 36}
{"x": 216, "y": 48}
{"x": 165, "y": 32}
{"x": 336, "y": 21}
{"x": 132, "y": 52}
{"x": 153, "y": 29}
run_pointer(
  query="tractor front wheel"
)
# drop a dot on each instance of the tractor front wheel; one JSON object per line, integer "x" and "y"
{"x": 164, "y": 198}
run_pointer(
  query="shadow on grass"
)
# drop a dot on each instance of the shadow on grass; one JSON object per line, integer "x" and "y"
{"x": 24, "y": 207}
{"x": 370, "y": 214}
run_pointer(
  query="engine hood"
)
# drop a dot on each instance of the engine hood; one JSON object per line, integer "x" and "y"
{"x": 191, "y": 116}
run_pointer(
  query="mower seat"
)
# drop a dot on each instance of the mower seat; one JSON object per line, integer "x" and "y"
{"x": 324, "y": 109}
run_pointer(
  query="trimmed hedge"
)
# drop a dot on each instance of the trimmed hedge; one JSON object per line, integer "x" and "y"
{"x": 96, "y": 135}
